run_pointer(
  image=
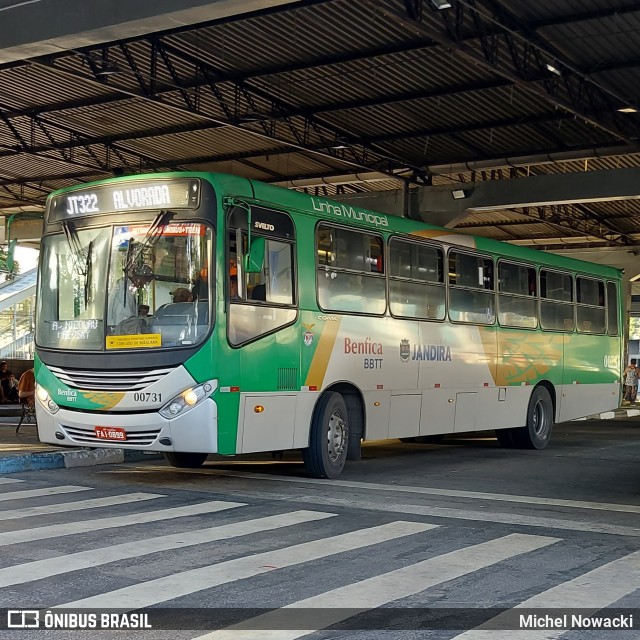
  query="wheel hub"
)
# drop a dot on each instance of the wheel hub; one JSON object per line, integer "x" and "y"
{"x": 336, "y": 436}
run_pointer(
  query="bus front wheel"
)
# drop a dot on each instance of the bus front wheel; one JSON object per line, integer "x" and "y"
{"x": 328, "y": 439}
{"x": 185, "y": 460}
{"x": 537, "y": 432}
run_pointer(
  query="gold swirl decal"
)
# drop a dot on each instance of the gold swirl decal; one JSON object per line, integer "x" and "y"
{"x": 524, "y": 356}
{"x": 105, "y": 400}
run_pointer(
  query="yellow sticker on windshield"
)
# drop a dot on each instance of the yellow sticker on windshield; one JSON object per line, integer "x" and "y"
{"x": 135, "y": 341}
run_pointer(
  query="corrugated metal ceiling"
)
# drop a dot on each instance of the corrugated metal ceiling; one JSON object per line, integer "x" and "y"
{"x": 322, "y": 89}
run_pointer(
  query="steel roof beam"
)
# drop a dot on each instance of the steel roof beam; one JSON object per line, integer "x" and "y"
{"x": 513, "y": 57}
{"x": 563, "y": 195}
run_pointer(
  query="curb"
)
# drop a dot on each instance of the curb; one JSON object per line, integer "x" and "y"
{"x": 610, "y": 415}
{"x": 620, "y": 413}
{"x": 71, "y": 459}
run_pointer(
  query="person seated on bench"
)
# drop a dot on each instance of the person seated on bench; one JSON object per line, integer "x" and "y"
{"x": 27, "y": 387}
{"x": 8, "y": 383}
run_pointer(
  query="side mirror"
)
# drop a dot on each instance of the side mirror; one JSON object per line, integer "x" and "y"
{"x": 254, "y": 260}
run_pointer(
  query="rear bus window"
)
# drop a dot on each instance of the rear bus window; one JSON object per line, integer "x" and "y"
{"x": 556, "y": 301}
{"x": 517, "y": 297}
{"x": 590, "y": 308}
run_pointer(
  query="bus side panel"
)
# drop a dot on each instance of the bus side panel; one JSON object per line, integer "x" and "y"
{"x": 591, "y": 381}
{"x": 524, "y": 359}
{"x": 269, "y": 383}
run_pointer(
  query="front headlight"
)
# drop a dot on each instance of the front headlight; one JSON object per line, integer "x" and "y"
{"x": 188, "y": 399}
{"x": 45, "y": 400}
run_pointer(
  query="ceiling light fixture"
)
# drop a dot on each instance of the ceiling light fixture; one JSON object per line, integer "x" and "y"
{"x": 441, "y": 4}
{"x": 458, "y": 194}
{"x": 553, "y": 69}
{"x": 628, "y": 109}
{"x": 107, "y": 70}
{"x": 340, "y": 143}
{"x": 253, "y": 117}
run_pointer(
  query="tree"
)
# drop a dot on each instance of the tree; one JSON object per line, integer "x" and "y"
{"x": 5, "y": 264}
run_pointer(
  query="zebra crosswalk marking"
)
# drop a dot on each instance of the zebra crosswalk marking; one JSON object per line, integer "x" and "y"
{"x": 99, "y": 524}
{"x": 38, "y": 493}
{"x": 9, "y": 480}
{"x": 589, "y": 592}
{"x": 77, "y": 505}
{"x": 19, "y": 574}
{"x": 387, "y": 587}
{"x": 181, "y": 584}
{"x": 453, "y": 493}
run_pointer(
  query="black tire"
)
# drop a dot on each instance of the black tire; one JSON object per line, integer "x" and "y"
{"x": 185, "y": 460}
{"x": 505, "y": 438}
{"x": 536, "y": 434}
{"x": 328, "y": 439}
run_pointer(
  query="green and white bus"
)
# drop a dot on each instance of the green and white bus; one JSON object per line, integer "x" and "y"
{"x": 197, "y": 313}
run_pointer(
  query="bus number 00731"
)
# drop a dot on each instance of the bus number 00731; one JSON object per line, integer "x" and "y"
{"x": 147, "y": 397}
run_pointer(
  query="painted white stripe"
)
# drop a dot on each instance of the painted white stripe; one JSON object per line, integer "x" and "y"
{"x": 476, "y": 495}
{"x": 19, "y": 574}
{"x": 177, "y": 585}
{"x": 379, "y": 590}
{"x": 590, "y": 592}
{"x": 77, "y": 505}
{"x": 9, "y": 480}
{"x": 57, "y": 530}
{"x": 466, "y": 514}
{"x": 37, "y": 493}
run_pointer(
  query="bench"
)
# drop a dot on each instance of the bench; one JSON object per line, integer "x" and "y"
{"x": 24, "y": 411}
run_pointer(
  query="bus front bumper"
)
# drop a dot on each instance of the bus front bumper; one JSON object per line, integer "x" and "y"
{"x": 195, "y": 431}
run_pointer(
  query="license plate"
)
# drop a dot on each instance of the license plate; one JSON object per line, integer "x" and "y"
{"x": 111, "y": 433}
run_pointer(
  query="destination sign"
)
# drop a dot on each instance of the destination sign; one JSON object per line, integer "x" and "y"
{"x": 139, "y": 195}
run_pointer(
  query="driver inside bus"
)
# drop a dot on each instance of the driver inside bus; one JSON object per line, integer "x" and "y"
{"x": 123, "y": 303}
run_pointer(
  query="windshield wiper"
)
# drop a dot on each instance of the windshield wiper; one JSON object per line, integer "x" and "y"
{"x": 88, "y": 276}
{"x": 82, "y": 263}
{"x": 77, "y": 254}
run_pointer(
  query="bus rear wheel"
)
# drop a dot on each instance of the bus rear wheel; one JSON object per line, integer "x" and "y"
{"x": 537, "y": 432}
{"x": 328, "y": 439}
{"x": 185, "y": 460}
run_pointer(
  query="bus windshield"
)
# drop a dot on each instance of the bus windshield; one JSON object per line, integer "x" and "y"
{"x": 125, "y": 287}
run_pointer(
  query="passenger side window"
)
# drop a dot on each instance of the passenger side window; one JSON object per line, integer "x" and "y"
{"x": 590, "y": 310}
{"x": 517, "y": 297}
{"x": 471, "y": 288}
{"x": 264, "y": 300}
{"x": 416, "y": 280}
{"x": 556, "y": 301}
{"x": 350, "y": 271}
